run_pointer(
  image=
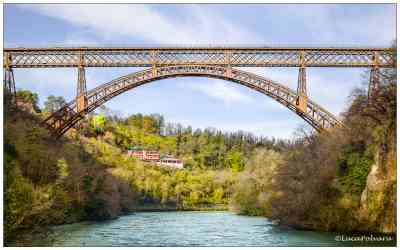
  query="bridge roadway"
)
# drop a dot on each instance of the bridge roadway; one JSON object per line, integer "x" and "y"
{"x": 219, "y": 56}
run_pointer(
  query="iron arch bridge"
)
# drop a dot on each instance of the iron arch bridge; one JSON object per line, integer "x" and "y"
{"x": 315, "y": 115}
{"x": 204, "y": 62}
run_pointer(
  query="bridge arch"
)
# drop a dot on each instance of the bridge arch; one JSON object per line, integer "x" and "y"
{"x": 66, "y": 117}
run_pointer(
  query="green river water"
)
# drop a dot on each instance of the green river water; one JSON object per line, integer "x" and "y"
{"x": 191, "y": 229}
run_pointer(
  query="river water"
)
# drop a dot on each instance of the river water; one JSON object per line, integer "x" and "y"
{"x": 183, "y": 229}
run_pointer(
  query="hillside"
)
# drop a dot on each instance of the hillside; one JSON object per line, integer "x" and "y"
{"x": 87, "y": 175}
{"x": 341, "y": 180}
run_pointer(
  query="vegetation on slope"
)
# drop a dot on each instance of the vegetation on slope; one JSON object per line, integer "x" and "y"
{"x": 88, "y": 176}
{"x": 342, "y": 180}
{"x": 52, "y": 182}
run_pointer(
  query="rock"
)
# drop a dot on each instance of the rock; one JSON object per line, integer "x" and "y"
{"x": 377, "y": 210}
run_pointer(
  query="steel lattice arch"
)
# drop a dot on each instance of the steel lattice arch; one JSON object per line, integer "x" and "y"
{"x": 315, "y": 115}
{"x": 213, "y": 62}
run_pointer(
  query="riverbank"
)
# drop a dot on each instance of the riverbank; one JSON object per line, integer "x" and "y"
{"x": 191, "y": 228}
{"x": 163, "y": 208}
{"x": 41, "y": 233}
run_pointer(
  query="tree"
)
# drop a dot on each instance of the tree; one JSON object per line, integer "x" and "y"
{"x": 150, "y": 125}
{"x": 98, "y": 123}
{"x": 158, "y": 123}
{"x": 29, "y": 97}
{"x": 54, "y": 103}
{"x": 135, "y": 120}
{"x": 112, "y": 115}
{"x": 235, "y": 161}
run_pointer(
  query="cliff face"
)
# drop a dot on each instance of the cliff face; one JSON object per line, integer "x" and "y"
{"x": 377, "y": 211}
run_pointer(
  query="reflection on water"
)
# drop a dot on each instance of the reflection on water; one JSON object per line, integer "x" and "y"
{"x": 184, "y": 229}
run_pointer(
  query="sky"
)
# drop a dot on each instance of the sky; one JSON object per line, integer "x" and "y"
{"x": 202, "y": 102}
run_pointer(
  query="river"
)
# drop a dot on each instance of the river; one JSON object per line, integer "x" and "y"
{"x": 183, "y": 229}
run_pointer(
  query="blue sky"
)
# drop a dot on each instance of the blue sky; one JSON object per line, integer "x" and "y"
{"x": 202, "y": 102}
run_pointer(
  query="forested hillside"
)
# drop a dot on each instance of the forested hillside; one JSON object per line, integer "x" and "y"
{"x": 340, "y": 180}
{"x": 86, "y": 175}
{"x": 199, "y": 149}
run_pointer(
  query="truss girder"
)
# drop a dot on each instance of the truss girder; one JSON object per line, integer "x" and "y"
{"x": 238, "y": 57}
{"x": 66, "y": 117}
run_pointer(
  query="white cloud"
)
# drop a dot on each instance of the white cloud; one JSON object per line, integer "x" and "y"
{"x": 79, "y": 40}
{"x": 330, "y": 88}
{"x": 56, "y": 81}
{"x": 286, "y": 76}
{"x": 46, "y": 78}
{"x": 377, "y": 29}
{"x": 334, "y": 24}
{"x": 220, "y": 90}
{"x": 142, "y": 21}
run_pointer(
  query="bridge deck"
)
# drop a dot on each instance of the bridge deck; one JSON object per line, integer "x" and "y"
{"x": 221, "y": 56}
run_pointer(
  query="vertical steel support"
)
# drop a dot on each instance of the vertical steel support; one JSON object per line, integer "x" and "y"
{"x": 301, "y": 101}
{"x": 9, "y": 80}
{"x": 373, "y": 86}
{"x": 153, "y": 55}
{"x": 227, "y": 59}
{"x": 81, "y": 99}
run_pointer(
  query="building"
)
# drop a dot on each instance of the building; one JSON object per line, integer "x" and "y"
{"x": 171, "y": 162}
{"x": 154, "y": 156}
{"x": 145, "y": 155}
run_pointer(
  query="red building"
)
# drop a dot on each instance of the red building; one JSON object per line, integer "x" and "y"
{"x": 145, "y": 155}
